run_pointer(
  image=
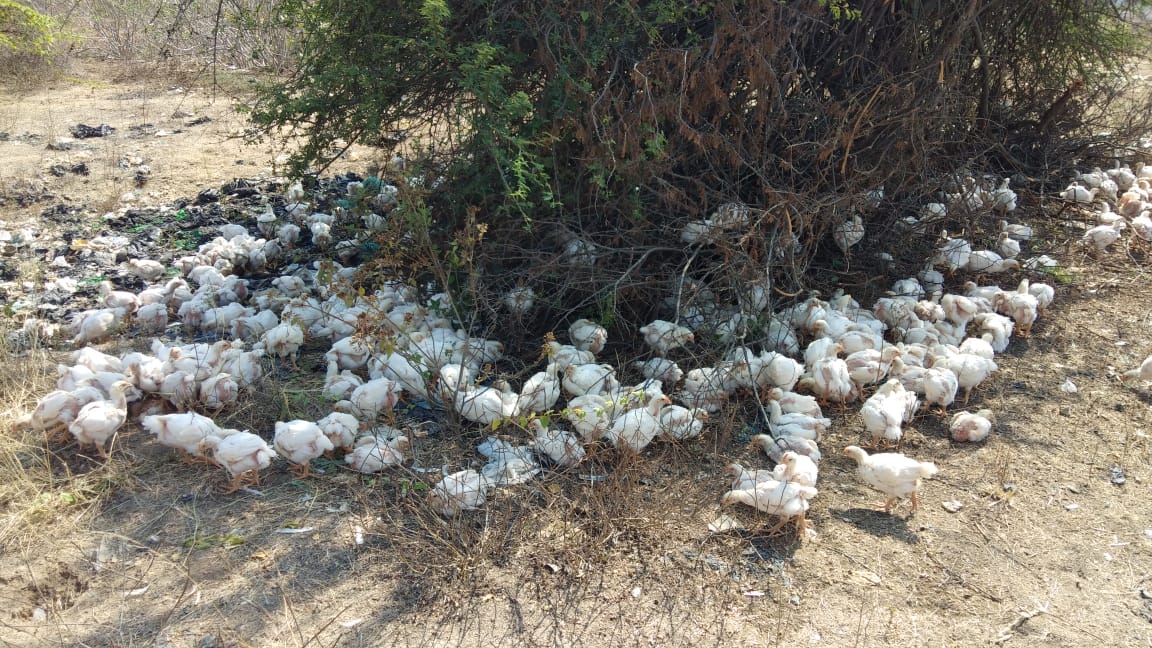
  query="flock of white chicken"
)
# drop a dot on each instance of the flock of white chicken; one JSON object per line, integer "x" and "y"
{"x": 918, "y": 348}
{"x": 1120, "y": 198}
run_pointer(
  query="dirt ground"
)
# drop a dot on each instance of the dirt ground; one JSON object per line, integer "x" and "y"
{"x": 1051, "y": 544}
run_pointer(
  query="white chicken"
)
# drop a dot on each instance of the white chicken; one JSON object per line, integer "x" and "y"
{"x": 1102, "y": 237}
{"x": 152, "y": 317}
{"x": 466, "y": 490}
{"x": 97, "y": 361}
{"x": 831, "y": 381}
{"x": 1142, "y": 373}
{"x": 706, "y": 387}
{"x": 406, "y": 370}
{"x": 952, "y": 254}
{"x": 678, "y": 423}
{"x": 980, "y": 346}
{"x": 636, "y": 428}
{"x": 340, "y": 428}
{"x": 590, "y": 415}
{"x": 971, "y": 427}
{"x": 998, "y": 326}
{"x": 1078, "y": 193}
{"x": 519, "y": 300}
{"x": 1044, "y": 294}
{"x": 486, "y": 405}
{"x": 242, "y": 454}
{"x": 300, "y": 442}
{"x": 1016, "y": 231}
{"x": 373, "y": 398}
{"x": 146, "y": 269}
{"x": 338, "y": 384}
{"x": 180, "y": 389}
{"x": 1008, "y": 247}
{"x": 540, "y": 392}
{"x": 121, "y": 300}
{"x": 97, "y": 421}
{"x": 970, "y": 370}
{"x": 57, "y": 409}
{"x": 185, "y": 432}
{"x": 562, "y": 447}
{"x": 786, "y": 500}
{"x": 989, "y": 262}
{"x": 565, "y": 355}
{"x": 848, "y": 232}
{"x": 793, "y": 403}
{"x": 775, "y": 448}
{"x": 1021, "y": 305}
{"x": 283, "y": 341}
{"x": 321, "y": 234}
{"x": 893, "y": 474}
{"x": 796, "y": 468}
{"x": 1003, "y": 198}
{"x": 795, "y": 425}
{"x": 589, "y": 378}
{"x": 1142, "y": 226}
{"x": 744, "y": 479}
{"x": 219, "y": 391}
{"x": 507, "y": 464}
{"x": 869, "y": 366}
{"x": 376, "y": 452}
{"x": 350, "y": 353}
{"x": 886, "y": 411}
{"x": 453, "y": 378}
{"x": 662, "y": 369}
{"x": 95, "y": 325}
{"x": 940, "y": 386}
{"x": 588, "y": 335}
{"x": 663, "y": 336}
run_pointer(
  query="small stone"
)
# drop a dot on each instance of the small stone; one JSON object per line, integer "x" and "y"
{"x": 795, "y": 600}
{"x": 62, "y": 144}
{"x": 1068, "y": 387}
{"x": 39, "y": 615}
{"x": 636, "y": 592}
{"x": 724, "y": 523}
{"x": 1117, "y": 476}
{"x": 864, "y": 577}
{"x": 1071, "y": 507}
{"x": 1065, "y": 410}
{"x": 952, "y": 506}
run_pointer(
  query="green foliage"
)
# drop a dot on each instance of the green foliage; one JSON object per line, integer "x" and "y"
{"x": 23, "y": 30}
{"x": 544, "y": 106}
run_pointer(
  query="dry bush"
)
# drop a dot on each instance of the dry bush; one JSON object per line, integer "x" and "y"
{"x": 618, "y": 124}
{"x": 236, "y": 34}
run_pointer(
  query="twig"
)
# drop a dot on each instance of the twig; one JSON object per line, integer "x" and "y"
{"x": 1006, "y": 633}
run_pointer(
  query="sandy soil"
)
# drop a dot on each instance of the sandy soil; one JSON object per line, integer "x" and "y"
{"x": 1047, "y": 548}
